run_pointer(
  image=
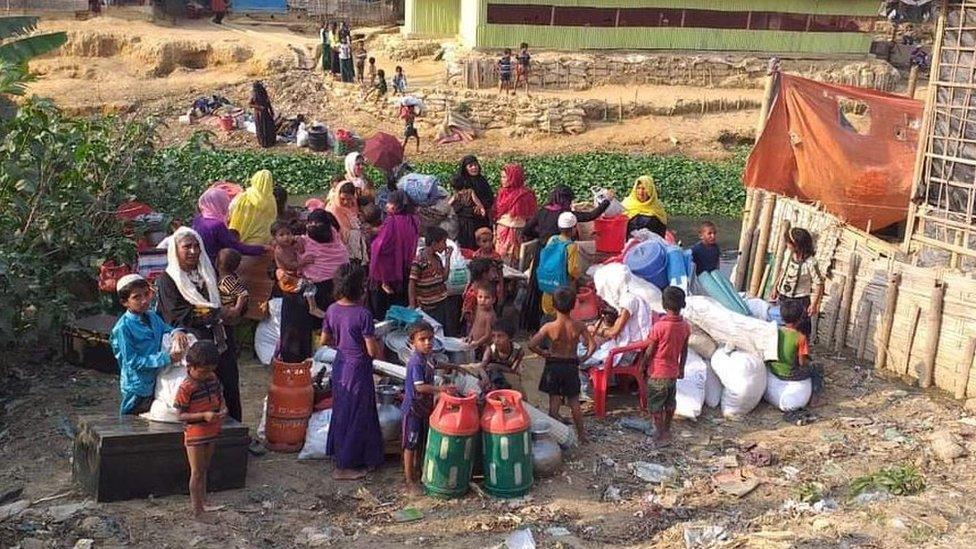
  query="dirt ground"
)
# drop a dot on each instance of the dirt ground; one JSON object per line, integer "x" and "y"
{"x": 864, "y": 424}
{"x": 140, "y": 69}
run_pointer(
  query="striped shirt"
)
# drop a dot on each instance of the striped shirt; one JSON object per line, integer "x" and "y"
{"x": 505, "y": 67}
{"x": 429, "y": 278}
{"x": 193, "y": 397}
{"x": 231, "y": 287}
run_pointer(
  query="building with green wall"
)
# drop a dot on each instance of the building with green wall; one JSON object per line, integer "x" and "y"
{"x": 773, "y": 26}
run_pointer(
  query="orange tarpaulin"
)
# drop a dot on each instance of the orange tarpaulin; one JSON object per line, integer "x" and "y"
{"x": 852, "y": 149}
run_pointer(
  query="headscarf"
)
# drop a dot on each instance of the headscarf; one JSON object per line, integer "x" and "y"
{"x": 213, "y": 204}
{"x": 351, "y": 176}
{"x": 254, "y": 210}
{"x": 560, "y": 199}
{"x": 322, "y": 246}
{"x": 478, "y": 184}
{"x": 612, "y": 283}
{"x": 185, "y": 281}
{"x": 515, "y": 198}
{"x": 394, "y": 248}
{"x": 259, "y": 96}
{"x": 348, "y": 218}
{"x": 652, "y": 206}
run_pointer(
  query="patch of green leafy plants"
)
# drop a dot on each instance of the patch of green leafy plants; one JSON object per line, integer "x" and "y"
{"x": 903, "y": 480}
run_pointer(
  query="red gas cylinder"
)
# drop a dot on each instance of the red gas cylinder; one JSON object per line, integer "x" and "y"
{"x": 587, "y": 305}
{"x": 504, "y": 413}
{"x": 289, "y": 405}
{"x": 455, "y": 415}
{"x": 610, "y": 233}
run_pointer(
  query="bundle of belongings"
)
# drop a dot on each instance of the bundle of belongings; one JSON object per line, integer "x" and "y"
{"x": 203, "y": 106}
{"x": 732, "y": 336}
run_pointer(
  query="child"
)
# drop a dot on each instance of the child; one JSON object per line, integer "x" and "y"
{"x": 485, "y": 240}
{"x": 399, "y": 81}
{"x": 484, "y": 272}
{"x": 793, "y": 352}
{"x": 409, "y": 116}
{"x": 371, "y": 71}
{"x": 502, "y": 357}
{"x": 571, "y": 271}
{"x": 418, "y": 401}
{"x": 346, "y": 70}
{"x": 202, "y": 411}
{"x": 479, "y": 329}
{"x": 361, "y": 62}
{"x": 427, "y": 288}
{"x": 136, "y": 339}
{"x": 378, "y": 92}
{"x": 233, "y": 291}
{"x": 288, "y": 266}
{"x": 801, "y": 280}
{"x": 522, "y": 68}
{"x": 706, "y": 252}
{"x": 560, "y": 378}
{"x": 355, "y": 440}
{"x": 668, "y": 351}
{"x": 505, "y": 72}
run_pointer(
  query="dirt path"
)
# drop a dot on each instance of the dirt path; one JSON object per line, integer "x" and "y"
{"x": 865, "y": 425}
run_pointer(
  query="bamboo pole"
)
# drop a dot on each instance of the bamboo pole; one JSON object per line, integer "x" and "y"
{"x": 916, "y": 314}
{"x": 832, "y": 320}
{"x": 769, "y": 93}
{"x": 962, "y": 375}
{"x": 862, "y": 337}
{"x": 912, "y": 82}
{"x": 887, "y": 321}
{"x": 758, "y": 262}
{"x": 853, "y": 262}
{"x": 753, "y": 197}
{"x": 934, "y": 327}
{"x": 781, "y": 250}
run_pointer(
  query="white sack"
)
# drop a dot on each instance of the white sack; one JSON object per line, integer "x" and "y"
{"x": 268, "y": 332}
{"x": 701, "y": 343}
{"x": 316, "y": 435}
{"x": 728, "y": 328}
{"x": 744, "y": 377}
{"x": 168, "y": 382}
{"x": 787, "y": 395}
{"x": 691, "y": 388}
{"x": 713, "y": 388}
{"x": 758, "y": 308}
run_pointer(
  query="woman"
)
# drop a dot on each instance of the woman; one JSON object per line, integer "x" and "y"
{"x": 211, "y": 225}
{"x": 334, "y": 47}
{"x": 470, "y": 215}
{"x": 391, "y": 254}
{"x": 356, "y": 174}
{"x": 542, "y": 226}
{"x": 644, "y": 209}
{"x": 515, "y": 205}
{"x": 188, "y": 298}
{"x": 254, "y": 210}
{"x": 344, "y": 207}
{"x": 219, "y": 9}
{"x": 326, "y": 49}
{"x": 264, "y": 117}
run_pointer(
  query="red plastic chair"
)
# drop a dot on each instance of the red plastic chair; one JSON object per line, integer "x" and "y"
{"x": 636, "y": 369}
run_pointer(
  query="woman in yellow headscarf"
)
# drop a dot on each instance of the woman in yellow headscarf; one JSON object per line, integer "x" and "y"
{"x": 253, "y": 211}
{"x": 644, "y": 209}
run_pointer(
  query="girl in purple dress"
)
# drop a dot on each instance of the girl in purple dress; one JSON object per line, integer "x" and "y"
{"x": 355, "y": 440}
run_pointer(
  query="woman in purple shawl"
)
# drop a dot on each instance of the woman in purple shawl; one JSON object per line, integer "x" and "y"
{"x": 211, "y": 225}
{"x": 391, "y": 254}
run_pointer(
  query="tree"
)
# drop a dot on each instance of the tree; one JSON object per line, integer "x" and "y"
{"x": 19, "y": 43}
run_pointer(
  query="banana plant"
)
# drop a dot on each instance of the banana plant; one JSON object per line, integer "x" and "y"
{"x": 19, "y": 43}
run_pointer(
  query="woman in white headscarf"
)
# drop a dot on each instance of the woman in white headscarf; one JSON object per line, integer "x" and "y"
{"x": 356, "y": 174}
{"x": 633, "y": 313}
{"x": 188, "y": 298}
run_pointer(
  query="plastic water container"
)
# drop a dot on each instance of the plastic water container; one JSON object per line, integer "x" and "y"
{"x": 610, "y": 233}
{"x": 451, "y": 446}
{"x": 678, "y": 274}
{"x": 507, "y": 446}
{"x": 649, "y": 260}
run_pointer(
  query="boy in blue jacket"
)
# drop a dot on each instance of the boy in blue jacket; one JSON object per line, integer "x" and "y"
{"x": 136, "y": 341}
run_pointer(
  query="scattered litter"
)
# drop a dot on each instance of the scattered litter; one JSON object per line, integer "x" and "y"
{"x": 759, "y": 457}
{"x": 61, "y": 513}
{"x": 558, "y": 532}
{"x": 86, "y": 543}
{"x": 214, "y": 508}
{"x": 703, "y": 535}
{"x": 945, "y": 446}
{"x": 790, "y": 471}
{"x": 895, "y": 394}
{"x": 800, "y": 507}
{"x": 971, "y": 421}
{"x": 857, "y": 421}
{"x": 315, "y": 537}
{"x": 897, "y": 523}
{"x": 11, "y": 494}
{"x": 800, "y": 417}
{"x": 66, "y": 428}
{"x": 894, "y": 435}
{"x": 612, "y": 493}
{"x": 727, "y": 461}
{"x": 636, "y": 424}
{"x": 520, "y": 539}
{"x": 652, "y": 472}
{"x": 734, "y": 483}
{"x": 407, "y": 514}
{"x": 871, "y": 497}
{"x": 11, "y": 510}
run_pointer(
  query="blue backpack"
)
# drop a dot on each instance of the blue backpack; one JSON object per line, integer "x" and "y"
{"x": 553, "y": 265}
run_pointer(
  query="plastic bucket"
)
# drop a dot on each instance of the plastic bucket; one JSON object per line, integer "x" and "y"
{"x": 610, "y": 233}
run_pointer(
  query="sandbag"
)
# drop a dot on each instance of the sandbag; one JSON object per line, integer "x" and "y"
{"x": 268, "y": 332}
{"x": 743, "y": 377}
{"x": 713, "y": 388}
{"x": 168, "y": 382}
{"x": 691, "y": 388}
{"x": 787, "y": 395}
{"x": 316, "y": 435}
{"x": 701, "y": 342}
{"x": 758, "y": 308}
{"x": 728, "y": 328}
